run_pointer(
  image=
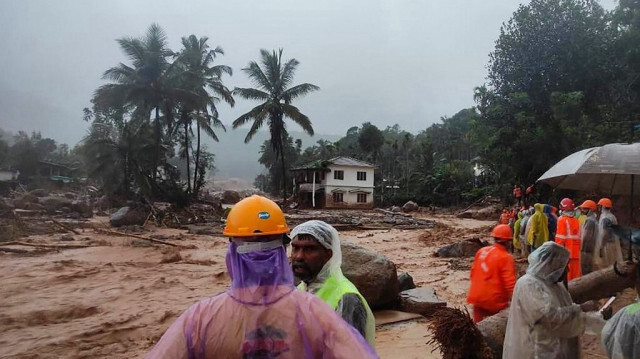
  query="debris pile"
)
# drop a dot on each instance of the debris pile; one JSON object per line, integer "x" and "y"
{"x": 361, "y": 220}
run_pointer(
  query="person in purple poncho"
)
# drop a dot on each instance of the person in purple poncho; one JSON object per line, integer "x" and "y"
{"x": 262, "y": 315}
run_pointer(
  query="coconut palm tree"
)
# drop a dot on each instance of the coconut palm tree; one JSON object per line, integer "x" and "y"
{"x": 146, "y": 84}
{"x": 204, "y": 80}
{"x": 273, "y": 81}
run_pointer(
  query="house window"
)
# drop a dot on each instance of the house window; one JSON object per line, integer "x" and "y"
{"x": 317, "y": 176}
{"x": 362, "y": 176}
{"x": 362, "y": 197}
{"x": 339, "y": 175}
{"x": 338, "y": 197}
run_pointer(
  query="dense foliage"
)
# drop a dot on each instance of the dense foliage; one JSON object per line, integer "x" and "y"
{"x": 564, "y": 75}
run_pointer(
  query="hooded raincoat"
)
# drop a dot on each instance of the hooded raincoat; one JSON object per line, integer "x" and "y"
{"x": 543, "y": 321}
{"x": 539, "y": 227}
{"x": 621, "y": 334}
{"x": 524, "y": 225}
{"x": 608, "y": 248}
{"x": 332, "y": 286}
{"x": 517, "y": 245}
{"x": 262, "y": 315}
{"x": 589, "y": 237}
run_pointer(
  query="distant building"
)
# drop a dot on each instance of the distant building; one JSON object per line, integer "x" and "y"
{"x": 341, "y": 182}
{"x": 9, "y": 175}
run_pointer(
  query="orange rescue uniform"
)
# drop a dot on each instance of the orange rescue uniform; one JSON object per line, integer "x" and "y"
{"x": 568, "y": 235}
{"x": 493, "y": 276}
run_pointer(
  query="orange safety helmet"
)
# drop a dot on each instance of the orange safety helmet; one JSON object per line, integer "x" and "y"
{"x": 502, "y": 232}
{"x": 605, "y": 202}
{"x": 589, "y": 204}
{"x": 255, "y": 216}
{"x": 567, "y": 204}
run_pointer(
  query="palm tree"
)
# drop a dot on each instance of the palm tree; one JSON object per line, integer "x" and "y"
{"x": 274, "y": 90}
{"x": 198, "y": 77}
{"x": 146, "y": 84}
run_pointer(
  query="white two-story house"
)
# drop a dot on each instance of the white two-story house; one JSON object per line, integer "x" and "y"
{"x": 341, "y": 182}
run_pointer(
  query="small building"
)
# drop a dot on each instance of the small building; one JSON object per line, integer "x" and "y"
{"x": 341, "y": 182}
{"x": 9, "y": 175}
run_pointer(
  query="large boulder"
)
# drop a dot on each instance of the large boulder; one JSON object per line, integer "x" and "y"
{"x": 372, "y": 273}
{"x": 423, "y": 301}
{"x": 230, "y": 197}
{"x": 410, "y": 206}
{"x": 54, "y": 203}
{"x": 465, "y": 248}
{"x": 405, "y": 281}
{"x": 83, "y": 208}
{"x": 127, "y": 216}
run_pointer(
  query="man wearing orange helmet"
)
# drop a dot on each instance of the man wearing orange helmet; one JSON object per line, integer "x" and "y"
{"x": 608, "y": 249}
{"x": 568, "y": 236}
{"x": 262, "y": 315}
{"x": 493, "y": 276}
{"x": 589, "y": 234}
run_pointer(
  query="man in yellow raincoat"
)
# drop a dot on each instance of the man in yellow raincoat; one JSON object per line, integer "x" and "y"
{"x": 539, "y": 232}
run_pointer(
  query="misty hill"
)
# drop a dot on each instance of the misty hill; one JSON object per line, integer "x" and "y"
{"x": 236, "y": 159}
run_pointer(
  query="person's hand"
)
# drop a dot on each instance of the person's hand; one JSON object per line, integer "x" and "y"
{"x": 590, "y": 306}
{"x": 607, "y": 313}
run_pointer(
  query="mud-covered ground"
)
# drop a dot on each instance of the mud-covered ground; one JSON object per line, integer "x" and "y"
{"x": 116, "y": 298}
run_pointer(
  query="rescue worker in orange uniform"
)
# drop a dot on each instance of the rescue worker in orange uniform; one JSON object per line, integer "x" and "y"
{"x": 493, "y": 276}
{"x": 568, "y": 235}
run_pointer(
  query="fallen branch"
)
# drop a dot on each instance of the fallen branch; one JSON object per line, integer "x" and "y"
{"x": 64, "y": 226}
{"x": 116, "y": 233}
{"x": 44, "y": 245}
{"x": 13, "y": 250}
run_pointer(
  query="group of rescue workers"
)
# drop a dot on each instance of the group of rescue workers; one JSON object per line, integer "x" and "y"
{"x": 543, "y": 320}
{"x": 264, "y": 315}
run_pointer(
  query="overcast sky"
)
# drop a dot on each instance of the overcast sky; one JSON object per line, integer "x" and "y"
{"x": 399, "y": 61}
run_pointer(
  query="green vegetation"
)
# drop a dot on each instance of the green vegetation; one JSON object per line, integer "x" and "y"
{"x": 564, "y": 75}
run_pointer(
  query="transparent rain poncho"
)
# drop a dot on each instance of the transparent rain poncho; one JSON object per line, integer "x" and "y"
{"x": 620, "y": 336}
{"x": 589, "y": 232}
{"x": 260, "y": 316}
{"x": 608, "y": 248}
{"x": 543, "y": 321}
{"x": 351, "y": 307}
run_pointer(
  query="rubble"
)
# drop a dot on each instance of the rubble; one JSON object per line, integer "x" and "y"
{"x": 360, "y": 220}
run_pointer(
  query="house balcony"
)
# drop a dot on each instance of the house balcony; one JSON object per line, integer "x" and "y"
{"x": 308, "y": 187}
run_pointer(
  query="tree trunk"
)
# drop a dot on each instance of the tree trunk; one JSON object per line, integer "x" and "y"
{"x": 186, "y": 149}
{"x": 593, "y": 286}
{"x": 197, "y": 163}
{"x": 284, "y": 176}
{"x": 156, "y": 159}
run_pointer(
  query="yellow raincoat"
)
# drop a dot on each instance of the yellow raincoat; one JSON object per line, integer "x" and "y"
{"x": 539, "y": 232}
{"x": 516, "y": 232}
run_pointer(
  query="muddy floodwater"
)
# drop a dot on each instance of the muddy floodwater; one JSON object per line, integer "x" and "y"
{"x": 116, "y": 298}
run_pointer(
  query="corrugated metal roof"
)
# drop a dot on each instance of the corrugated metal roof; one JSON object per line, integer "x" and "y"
{"x": 348, "y": 161}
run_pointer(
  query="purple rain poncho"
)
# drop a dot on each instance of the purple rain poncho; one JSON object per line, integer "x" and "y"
{"x": 262, "y": 315}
